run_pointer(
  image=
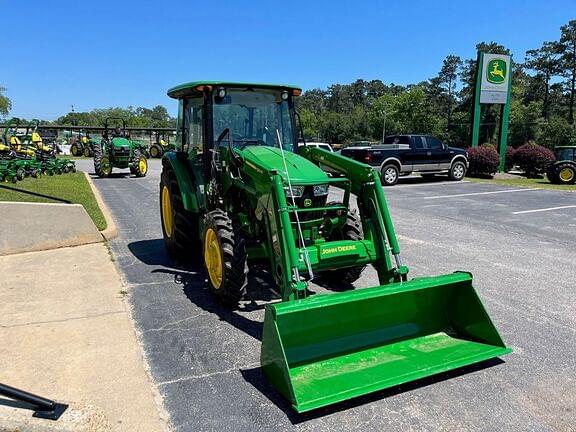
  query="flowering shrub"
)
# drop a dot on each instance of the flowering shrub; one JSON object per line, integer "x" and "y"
{"x": 483, "y": 160}
{"x": 533, "y": 159}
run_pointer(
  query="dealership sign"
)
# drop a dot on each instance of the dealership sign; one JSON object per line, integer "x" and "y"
{"x": 495, "y": 79}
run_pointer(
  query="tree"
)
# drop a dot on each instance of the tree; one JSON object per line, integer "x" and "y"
{"x": 447, "y": 80}
{"x": 545, "y": 62}
{"x": 567, "y": 51}
{"x": 5, "y": 103}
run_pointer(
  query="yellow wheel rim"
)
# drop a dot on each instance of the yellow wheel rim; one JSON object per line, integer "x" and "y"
{"x": 153, "y": 152}
{"x": 566, "y": 174}
{"x": 213, "y": 258}
{"x": 106, "y": 168}
{"x": 167, "y": 219}
{"x": 143, "y": 165}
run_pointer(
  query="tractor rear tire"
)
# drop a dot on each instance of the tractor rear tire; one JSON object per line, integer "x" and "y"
{"x": 100, "y": 162}
{"x": 156, "y": 151}
{"x": 225, "y": 258}
{"x": 179, "y": 226}
{"x": 139, "y": 164}
{"x": 562, "y": 173}
{"x": 351, "y": 230}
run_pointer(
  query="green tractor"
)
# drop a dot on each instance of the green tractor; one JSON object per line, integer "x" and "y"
{"x": 239, "y": 191}
{"x": 25, "y": 162}
{"x": 563, "y": 171}
{"x": 46, "y": 153}
{"x": 160, "y": 145}
{"x": 82, "y": 145}
{"x": 117, "y": 150}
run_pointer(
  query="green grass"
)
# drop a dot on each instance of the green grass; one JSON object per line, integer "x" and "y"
{"x": 72, "y": 188}
{"x": 542, "y": 183}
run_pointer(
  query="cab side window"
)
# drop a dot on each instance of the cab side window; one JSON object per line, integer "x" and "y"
{"x": 190, "y": 132}
{"x": 433, "y": 143}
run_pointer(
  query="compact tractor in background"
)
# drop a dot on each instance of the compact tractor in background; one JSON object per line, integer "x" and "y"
{"x": 82, "y": 145}
{"x": 160, "y": 145}
{"x": 563, "y": 171}
{"x": 239, "y": 190}
{"x": 117, "y": 150}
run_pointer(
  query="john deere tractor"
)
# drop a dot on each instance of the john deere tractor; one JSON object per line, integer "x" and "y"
{"x": 82, "y": 145}
{"x": 159, "y": 146}
{"x": 24, "y": 158}
{"x": 46, "y": 153}
{"x": 117, "y": 150}
{"x": 239, "y": 190}
{"x": 563, "y": 171}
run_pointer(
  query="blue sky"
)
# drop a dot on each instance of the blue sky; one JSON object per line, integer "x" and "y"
{"x": 97, "y": 54}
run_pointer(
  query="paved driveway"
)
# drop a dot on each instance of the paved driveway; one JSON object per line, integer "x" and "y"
{"x": 519, "y": 244}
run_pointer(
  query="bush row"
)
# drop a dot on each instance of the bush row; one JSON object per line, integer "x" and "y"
{"x": 531, "y": 158}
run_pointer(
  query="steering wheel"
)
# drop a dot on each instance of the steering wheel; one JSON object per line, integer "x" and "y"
{"x": 250, "y": 141}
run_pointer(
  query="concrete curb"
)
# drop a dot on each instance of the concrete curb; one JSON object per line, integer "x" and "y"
{"x": 111, "y": 231}
{"x": 34, "y": 227}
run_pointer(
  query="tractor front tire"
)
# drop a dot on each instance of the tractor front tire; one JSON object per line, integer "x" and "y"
{"x": 86, "y": 152}
{"x": 351, "y": 230}
{"x": 225, "y": 258}
{"x": 75, "y": 151}
{"x": 139, "y": 164}
{"x": 179, "y": 226}
{"x": 102, "y": 166}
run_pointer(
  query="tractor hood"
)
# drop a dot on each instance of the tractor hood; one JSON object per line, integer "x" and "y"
{"x": 300, "y": 170}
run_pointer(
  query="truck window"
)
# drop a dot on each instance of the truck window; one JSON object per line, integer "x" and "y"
{"x": 417, "y": 142}
{"x": 433, "y": 143}
{"x": 397, "y": 139}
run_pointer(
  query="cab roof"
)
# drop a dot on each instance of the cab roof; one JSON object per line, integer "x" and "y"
{"x": 191, "y": 88}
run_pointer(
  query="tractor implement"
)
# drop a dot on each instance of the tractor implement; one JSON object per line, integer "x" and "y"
{"x": 239, "y": 190}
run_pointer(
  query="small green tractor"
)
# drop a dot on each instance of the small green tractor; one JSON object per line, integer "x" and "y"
{"x": 239, "y": 191}
{"x": 46, "y": 153}
{"x": 82, "y": 145}
{"x": 24, "y": 158}
{"x": 117, "y": 150}
{"x": 160, "y": 146}
{"x": 563, "y": 171}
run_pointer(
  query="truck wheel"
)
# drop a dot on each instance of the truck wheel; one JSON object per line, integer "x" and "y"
{"x": 352, "y": 230}
{"x": 566, "y": 173}
{"x": 390, "y": 174}
{"x": 102, "y": 165}
{"x": 457, "y": 171}
{"x": 179, "y": 226}
{"x": 139, "y": 164}
{"x": 225, "y": 258}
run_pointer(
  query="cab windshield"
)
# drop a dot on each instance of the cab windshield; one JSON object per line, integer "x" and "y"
{"x": 565, "y": 154}
{"x": 254, "y": 117}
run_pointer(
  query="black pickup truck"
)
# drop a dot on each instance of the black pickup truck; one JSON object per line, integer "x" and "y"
{"x": 404, "y": 154}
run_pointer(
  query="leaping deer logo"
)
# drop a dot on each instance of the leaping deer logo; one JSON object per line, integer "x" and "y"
{"x": 496, "y": 71}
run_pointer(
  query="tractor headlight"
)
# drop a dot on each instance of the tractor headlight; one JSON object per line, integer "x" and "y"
{"x": 221, "y": 92}
{"x": 284, "y": 95}
{"x": 297, "y": 191}
{"x": 320, "y": 190}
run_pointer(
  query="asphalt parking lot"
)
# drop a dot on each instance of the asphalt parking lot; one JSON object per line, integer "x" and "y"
{"x": 518, "y": 243}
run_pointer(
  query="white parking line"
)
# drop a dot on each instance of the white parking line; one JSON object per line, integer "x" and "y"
{"x": 481, "y": 193}
{"x": 401, "y": 185}
{"x": 544, "y": 209}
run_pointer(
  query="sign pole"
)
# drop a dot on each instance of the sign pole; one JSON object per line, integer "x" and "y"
{"x": 475, "y": 133}
{"x": 504, "y": 115}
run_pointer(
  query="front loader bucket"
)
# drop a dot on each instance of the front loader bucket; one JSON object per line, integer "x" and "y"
{"x": 329, "y": 348}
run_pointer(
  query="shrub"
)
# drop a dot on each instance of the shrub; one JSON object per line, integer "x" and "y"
{"x": 510, "y": 162}
{"x": 484, "y": 161}
{"x": 533, "y": 159}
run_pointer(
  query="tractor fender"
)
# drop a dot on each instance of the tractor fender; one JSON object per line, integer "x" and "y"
{"x": 186, "y": 182}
